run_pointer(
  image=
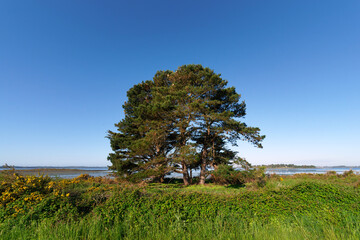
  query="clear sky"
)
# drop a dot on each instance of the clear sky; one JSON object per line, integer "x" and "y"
{"x": 65, "y": 67}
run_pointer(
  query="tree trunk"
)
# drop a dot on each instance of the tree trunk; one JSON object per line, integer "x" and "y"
{"x": 185, "y": 174}
{"x": 204, "y": 156}
{"x": 203, "y": 166}
{"x": 191, "y": 179}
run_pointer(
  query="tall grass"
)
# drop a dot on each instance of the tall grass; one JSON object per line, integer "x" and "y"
{"x": 221, "y": 227}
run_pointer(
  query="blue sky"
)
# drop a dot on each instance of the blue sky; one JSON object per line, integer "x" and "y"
{"x": 65, "y": 67}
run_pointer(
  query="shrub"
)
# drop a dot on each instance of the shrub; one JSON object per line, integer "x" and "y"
{"x": 331, "y": 173}
{"x": 348, "y": 173}
{"x": 225, "y": 174}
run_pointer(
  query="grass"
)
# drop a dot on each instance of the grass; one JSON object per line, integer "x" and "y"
{"x": 304, "y": 206}
{"x": 220, "y": 227}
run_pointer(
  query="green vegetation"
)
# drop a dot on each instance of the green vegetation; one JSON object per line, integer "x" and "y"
{"x": 303, "y": 206}
{"x": 226, "y": 174}
{"x": 179, "y": 121}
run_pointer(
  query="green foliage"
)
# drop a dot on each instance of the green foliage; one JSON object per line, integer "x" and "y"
{"x": 348, "y": 173}
{"x": 331, "y": 173}
{"x": 179, "y": 121}
{"x": 302, "y": 206}
{"x": 226, "y": 174}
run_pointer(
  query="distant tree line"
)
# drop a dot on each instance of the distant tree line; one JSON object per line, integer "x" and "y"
{"x": 7, "y": 166}
{"x": 288, "y": 166}
{"x": 179, "y": 121}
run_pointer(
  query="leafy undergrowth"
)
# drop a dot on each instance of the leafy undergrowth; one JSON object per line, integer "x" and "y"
{"x": 299, "y": 207}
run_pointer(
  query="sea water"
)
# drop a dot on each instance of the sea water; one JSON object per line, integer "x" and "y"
{"x": 103, "y": 171}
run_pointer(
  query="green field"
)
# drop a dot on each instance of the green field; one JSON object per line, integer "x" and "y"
{"x": 294, "y": 207}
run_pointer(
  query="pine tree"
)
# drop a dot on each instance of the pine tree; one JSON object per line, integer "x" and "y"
{"x": 143, "y": 140}
{"x": 177, "y": 122}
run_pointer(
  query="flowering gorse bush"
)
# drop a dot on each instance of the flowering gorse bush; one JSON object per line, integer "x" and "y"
{"x": 20, "y": 194}
{"x": 41, "y": 196}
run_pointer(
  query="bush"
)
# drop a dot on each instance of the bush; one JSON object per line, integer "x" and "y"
{"x": 226, "y": 174}
{"x": 331, "y": 173}
{"x": 348, "y": 173}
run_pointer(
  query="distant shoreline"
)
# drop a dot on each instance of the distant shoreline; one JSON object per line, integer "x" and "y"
{"x": 72, "y": 172}
{"x": 59, "y": 172}
{"x": 104, "y": 168}
{"x": 282, "y": 166}
{"x": 51, "y": 167}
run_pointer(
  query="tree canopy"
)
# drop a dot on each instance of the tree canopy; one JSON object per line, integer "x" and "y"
{"x": 180, "y": 121}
